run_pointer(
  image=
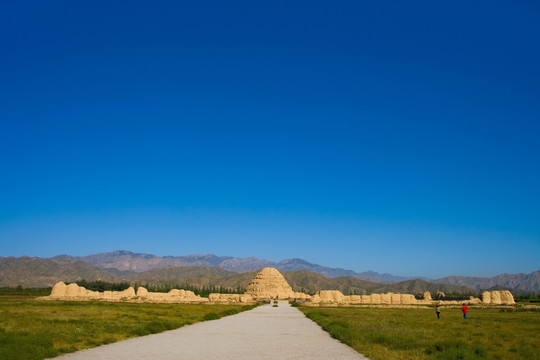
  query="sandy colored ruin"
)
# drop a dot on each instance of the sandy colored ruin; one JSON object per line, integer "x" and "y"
{"x": 501, "y": 297}
{"x": 74, "y": 292}
{"x": 334, "y": 297}
{"x": 269, "y": 283}
{"x": 230, "y": 298}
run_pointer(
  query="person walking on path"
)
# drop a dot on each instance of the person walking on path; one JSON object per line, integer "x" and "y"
{"x": 465, "y": 310}
{"x": 438, "y": 310}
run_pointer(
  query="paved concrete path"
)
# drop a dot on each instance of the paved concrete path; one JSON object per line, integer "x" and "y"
{"x": 266, "y": 332}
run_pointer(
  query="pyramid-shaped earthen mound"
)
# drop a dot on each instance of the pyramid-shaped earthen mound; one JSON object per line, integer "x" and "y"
{"x": 269, "y": 283}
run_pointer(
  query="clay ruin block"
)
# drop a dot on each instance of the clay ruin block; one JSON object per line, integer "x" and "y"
{"x": 507, "y": 297}
{"x": 385, "y": 299}
{"x": 408, "y": 299}
{"x": 59, "y": 290}
{"x": 142, "y": 292}
{"x": 498, "y": 297}
{"x": 366, "y": 299}
{"x": 395, "y": 298}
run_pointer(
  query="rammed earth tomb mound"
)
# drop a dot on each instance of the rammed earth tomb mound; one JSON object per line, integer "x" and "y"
{"x": 269, "y": 284}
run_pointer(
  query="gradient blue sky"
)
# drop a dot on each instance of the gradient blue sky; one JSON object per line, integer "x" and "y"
{"x": 393, "y": 136}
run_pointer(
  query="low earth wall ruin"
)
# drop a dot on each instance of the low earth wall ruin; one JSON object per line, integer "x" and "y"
{"x": 503, "y": 297}
{"x": 329, "y": 297}
{"x": 74, "y": 292}
{"x": 268, "y": 284}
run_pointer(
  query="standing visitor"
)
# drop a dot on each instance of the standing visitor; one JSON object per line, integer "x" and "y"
{"x": 438, "y": 310}
{"x": 465, "y": 310}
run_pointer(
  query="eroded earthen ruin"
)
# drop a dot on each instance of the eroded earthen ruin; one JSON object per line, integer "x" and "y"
{"x": 74, "y": 292}
{"x": 269, "y": 283}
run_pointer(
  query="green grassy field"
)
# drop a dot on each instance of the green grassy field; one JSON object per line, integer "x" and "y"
{"x": 386, "y": 334}
{"x": 31, "y": 329}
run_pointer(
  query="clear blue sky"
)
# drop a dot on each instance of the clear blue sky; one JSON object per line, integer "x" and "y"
{"x": 393, "y": 136}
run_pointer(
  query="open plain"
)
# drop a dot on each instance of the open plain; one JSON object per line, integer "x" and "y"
{"x": 266, "y": 332}
{"x": 35, "y": 330}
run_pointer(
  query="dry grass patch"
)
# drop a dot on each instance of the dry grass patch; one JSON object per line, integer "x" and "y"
{"x": 31, "y": 329}
{"x": 386, "y": 334}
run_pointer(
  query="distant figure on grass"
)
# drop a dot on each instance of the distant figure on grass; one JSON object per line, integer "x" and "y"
{"x": 438, "y": 310}
{"x": 465, "y": 310}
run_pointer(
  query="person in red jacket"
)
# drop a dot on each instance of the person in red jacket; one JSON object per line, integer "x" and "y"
{"x": 465, "y": 310}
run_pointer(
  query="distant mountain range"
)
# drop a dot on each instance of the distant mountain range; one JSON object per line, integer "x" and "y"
{"x": 525, "y": 282}
{"x": 128, "y": 261}
{"x": 38, "y": 272}
{"x": 204, "y": 270}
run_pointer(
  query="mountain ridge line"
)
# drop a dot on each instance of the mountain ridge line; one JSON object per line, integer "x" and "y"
{"x": 125, "y": 264}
